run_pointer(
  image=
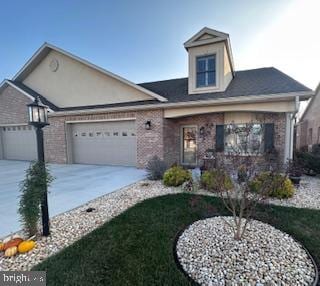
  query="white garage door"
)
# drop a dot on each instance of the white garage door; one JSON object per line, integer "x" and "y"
{"x": 104, "y": 143}
{"x": 18, "y": 143}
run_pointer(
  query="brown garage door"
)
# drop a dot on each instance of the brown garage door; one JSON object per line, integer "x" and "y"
{"x": 104, "y": 143}
{"x": 18, "y": 143}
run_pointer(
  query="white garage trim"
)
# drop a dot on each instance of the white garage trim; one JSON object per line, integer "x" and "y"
{"x": 13, "y": 124}
{"x": 101, "y": 120}
{"x": 102, "y": 142}
{"x": 18, "y": 142}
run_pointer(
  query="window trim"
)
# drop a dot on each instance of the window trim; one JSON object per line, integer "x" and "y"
{"x": 214, "y": 55}
{"x": 182, "y": 146}
{"x": 259, "y": 154}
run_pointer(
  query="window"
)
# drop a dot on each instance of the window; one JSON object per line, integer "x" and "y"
{"x": 206, "y": 71}
{"x": 124, "y": 134}
{"x": 189, "y": 145}
{"x": 115, "y": 133}
{"x": 243, "y": 139}
{"x": 310, "y": 136}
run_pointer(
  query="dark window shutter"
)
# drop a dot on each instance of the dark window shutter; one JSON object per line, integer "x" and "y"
{"x": 268, "y": 137}
{"x": 220, "y": 138}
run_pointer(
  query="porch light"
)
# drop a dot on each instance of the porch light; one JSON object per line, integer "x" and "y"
{"x": 38, "y": 113}
{"x": 147, "y": 125}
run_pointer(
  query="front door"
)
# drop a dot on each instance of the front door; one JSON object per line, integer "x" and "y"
{"x": 189, "y": 145}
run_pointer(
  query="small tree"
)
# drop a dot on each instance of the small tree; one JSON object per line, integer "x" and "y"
{"x": 156, "y": 168}
{"x": 243, "y": 162}
{"x": 32, "y": 190}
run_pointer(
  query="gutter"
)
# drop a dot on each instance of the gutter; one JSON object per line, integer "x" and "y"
{"x": 196, "y": 103}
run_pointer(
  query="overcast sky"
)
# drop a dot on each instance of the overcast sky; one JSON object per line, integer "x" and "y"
{"x": 142, "y": 40}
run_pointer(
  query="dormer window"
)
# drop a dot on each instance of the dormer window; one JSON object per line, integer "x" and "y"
{"x": 206, "y": 71}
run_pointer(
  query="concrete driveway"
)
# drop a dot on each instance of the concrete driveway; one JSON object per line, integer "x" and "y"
{"x": 73, "y": 186}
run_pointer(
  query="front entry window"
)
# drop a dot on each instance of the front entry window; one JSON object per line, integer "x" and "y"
{"x": 189, "y": 145}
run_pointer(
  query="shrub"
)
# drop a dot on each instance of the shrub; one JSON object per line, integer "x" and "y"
{"x": 32, "y": 189}
{"x": 210, "y": 180}
{"x": 316, "y": 149}
{"x": 156, "y": 168}
{"x": 309, "y": 161}
{"x": 279, "y": 186}
{"x": 176, "y": 176}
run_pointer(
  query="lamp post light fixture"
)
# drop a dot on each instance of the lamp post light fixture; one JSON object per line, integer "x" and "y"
{"x": 38, "y": 117}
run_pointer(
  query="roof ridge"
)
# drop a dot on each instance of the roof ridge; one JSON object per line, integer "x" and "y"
{"x": 163, "y": 80}
{"x": 262, "y": 68}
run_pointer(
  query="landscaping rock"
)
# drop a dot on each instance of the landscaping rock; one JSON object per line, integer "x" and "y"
{"x": 307, "y": 195}
{"x": 210, "y": 255}
{"x": 68, "y": 227}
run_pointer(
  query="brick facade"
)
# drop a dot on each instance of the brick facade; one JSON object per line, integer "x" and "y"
{"x": 56, "y": 133}
{"x": 308, "y": 129}
{"x": 173, "y": 131}
{"x": 279, "y": 120}
{"x": 149, "y": 142}
{"x": 13, "y": 106}
{"x": 163, "y": 139}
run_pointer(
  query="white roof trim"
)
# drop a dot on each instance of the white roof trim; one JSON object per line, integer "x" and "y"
{"x": 85, "y": 62}
{"x": 229, "y": 100}
{"x": 316, "y": 93}
{"x": 7, "y": 82}
{"x": 219, "y": 37}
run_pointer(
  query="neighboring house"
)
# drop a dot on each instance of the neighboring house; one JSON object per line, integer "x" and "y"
{"x": 308, "y": 128}
{"x": 97, "y": 117}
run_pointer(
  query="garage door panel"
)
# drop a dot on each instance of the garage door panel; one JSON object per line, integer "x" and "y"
{"x": 106, "y": 143}
{"x": 19, "y": 143}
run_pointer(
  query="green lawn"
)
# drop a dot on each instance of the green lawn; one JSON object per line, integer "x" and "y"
{"x": 136, "y": 248}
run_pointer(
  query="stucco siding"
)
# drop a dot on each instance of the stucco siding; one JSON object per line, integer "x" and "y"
{"x": 76, "y": 84}
{"x": 223, "y": 67}
{"x": 284, "y": 106}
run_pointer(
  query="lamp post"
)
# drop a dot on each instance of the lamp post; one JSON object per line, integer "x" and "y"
{"x": 38, "y": 117}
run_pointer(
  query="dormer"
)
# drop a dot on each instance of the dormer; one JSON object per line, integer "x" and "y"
{"x": 210, "y": 61}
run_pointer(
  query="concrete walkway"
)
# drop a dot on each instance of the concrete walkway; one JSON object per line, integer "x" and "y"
{"x": 73, "y": 186}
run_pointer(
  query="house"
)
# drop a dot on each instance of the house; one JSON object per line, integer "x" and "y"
{"x": 97, "y": 117}
{"x": 308, "y": 128}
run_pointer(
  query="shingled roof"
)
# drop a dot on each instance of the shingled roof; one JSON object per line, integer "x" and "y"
{"x": 34, "y": 94}
{"x": 261, "y": 81}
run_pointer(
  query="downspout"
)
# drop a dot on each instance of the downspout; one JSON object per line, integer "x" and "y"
{"x": 292, "y": 121}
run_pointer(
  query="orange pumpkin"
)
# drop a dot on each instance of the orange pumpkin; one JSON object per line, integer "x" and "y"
{"x": 1, "y": 246}
{"x": 26, "y": 246}
{"x": 12, "y": 243}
